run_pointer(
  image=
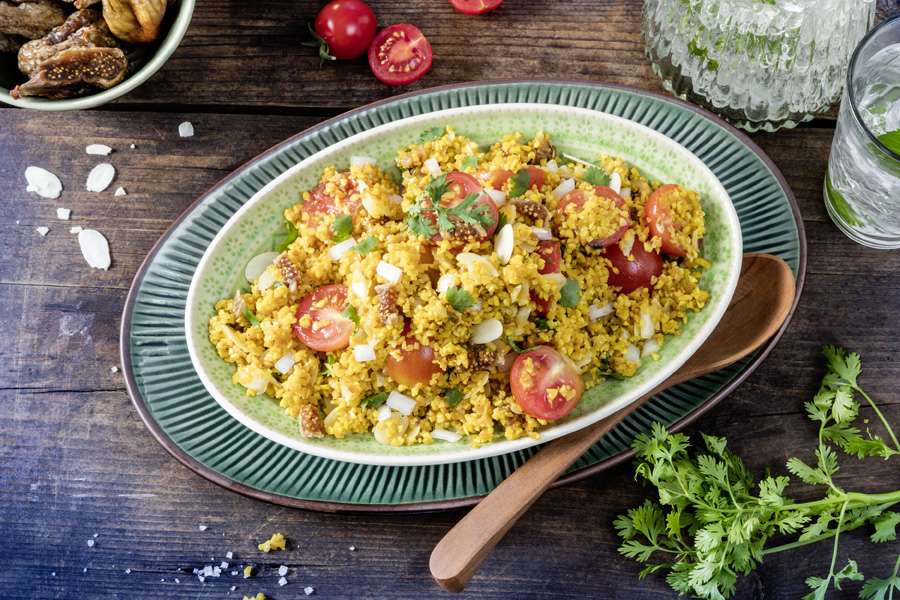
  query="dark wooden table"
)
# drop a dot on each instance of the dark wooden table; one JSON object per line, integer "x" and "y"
{"x": 76, "y": 461}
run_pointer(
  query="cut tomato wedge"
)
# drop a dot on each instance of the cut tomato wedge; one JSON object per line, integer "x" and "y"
{"x": 399, "y": 54}
{"x": 498, "y": 177}
{"x": 630, "y": 275}
{"x": 475, "y": 7}
{"x": 577, "y": 198}
{"x": 414, "y": 366}
{"x": 461, "y": 185}
{"x": 658, "y": 216}
{"x": 545, "y": 383}
{"x": 326, "y": 329}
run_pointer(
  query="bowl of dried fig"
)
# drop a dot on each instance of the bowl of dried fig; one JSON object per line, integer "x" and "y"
{"x": 76, "y": 54}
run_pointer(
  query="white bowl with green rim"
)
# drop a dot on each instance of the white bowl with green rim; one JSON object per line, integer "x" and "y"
{"x": 173, "y": 27}
{"x": 575, "y": 131}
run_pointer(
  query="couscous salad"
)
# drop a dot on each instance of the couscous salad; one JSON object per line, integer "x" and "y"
{"x": 463, "y": 292}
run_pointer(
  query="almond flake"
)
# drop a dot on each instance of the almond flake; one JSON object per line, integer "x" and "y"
{"x": 94, "y": 248}
{"x": 42, "y": 182}
{"x": 100, "y": 177}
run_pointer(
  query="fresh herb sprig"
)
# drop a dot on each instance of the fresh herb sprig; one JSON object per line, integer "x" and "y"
{"x": 712, "y": 519}
{"x": 428, "y": 216}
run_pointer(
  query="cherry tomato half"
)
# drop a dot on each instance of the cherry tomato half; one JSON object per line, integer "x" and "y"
{"x": 399, "y": 54}
{"x": 475, "y": 7}
{"x": 347, "y": 26}
{"x": 414, "y": 366}
{"x": 633, "y": 274}
{"x": 328, "y": 329}
{"x": 550, "y": 251}
{"x": 577, "y": 198}
{"x": 537, "y": 379}
{"x": 658, "y": 216}
{"x": 498, "y": 177}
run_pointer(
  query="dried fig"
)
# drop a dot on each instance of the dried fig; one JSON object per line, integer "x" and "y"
{"x": 135, "y": 21}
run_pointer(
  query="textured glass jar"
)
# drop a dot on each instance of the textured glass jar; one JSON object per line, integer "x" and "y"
{"x": 761, "y": 65}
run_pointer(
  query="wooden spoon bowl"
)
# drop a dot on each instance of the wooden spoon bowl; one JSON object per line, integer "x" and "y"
{"x": 761, "y": 303}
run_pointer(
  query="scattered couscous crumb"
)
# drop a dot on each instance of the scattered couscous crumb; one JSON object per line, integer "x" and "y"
{"x": 276, "y": 542}
{"x": 259, "y": 596}
{"x": 248, "y": 571}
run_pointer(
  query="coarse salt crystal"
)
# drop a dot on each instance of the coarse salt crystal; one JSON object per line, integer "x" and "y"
{"x": 186, "y": 129}
{"x": 98, "y": 149}
{"x": 42, "y": 230}
{"x": 177, "y": 580}
{"x": 132, "y": 146}
{"x": 229, "y": 555}
{"x": 90, "y": 543}
{"x": 120, "y": 191}
{"x": 388, "y": 272}
{"x": 352, "y": 548}
{"x": 282, "y": 582}
{"x": 232, "y": 588}
{"x": 42, "y": 182}
{"x": 63, "y": 214}
{"x": 114, "y": 369}
{"x": 100, "y": 177}
{"x": 308, "y": 590}
{"x": 282, "y": 570}
{"x": 202, "y": 527}
{"x": 128, "y": 571}
{"x": 223, "y": 565}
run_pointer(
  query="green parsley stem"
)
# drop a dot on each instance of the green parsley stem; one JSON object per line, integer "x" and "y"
{"x": 880, "y": 417}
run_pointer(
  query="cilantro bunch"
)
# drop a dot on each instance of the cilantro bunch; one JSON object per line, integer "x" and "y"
{"x": 712, "y": 521}
{"x": 428, "y": 215}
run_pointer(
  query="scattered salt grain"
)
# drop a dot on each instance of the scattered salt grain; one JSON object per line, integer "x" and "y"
{"x": 234, "y": 573}
{"x": 98, "y": 149}
{"x": 96, "y": 535}
{"x": 100, "y": 177}
{"x": 186, "y": 129}
{"x": 202, "y": 527}
{"x": 132, "y": 146}
{"x": 223, "y": 565}
{"x": 229, "y": 555}
{"x": 90, "y": 543}
{"x": 308, "y": 590}
{"x": 177, "y": 580}
{"x": 120, "y": 191}
{"x": 128, "y": 571}
{"x": 232, "y": 588}
{"x": 53, "y": 574}
{"x": 63, "y": 214}
{"x": 42, "y": 230}
{"x": 42, "y": 182}
{"x": 352, "y": 548}
{"x": 75, "y": 229}
{"x": 94, "y": 248}
{"x": 282, "y": 570}
{"x": 84, "y": 570}
{"x": 114, "y": 369}
{"x": 282, "y": 582}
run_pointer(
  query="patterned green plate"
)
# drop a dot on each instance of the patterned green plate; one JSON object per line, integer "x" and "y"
{"x": 176, "y": 407}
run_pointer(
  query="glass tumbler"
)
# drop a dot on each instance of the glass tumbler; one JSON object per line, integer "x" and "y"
{"x": 762, "y": 64}
{"x": 862, "y": 186}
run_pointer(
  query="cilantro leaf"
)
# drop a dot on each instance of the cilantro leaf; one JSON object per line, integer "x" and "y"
{"x": 453, "y": 396}
{"x": 248, "y": 314}
{"x": 542, "y": 324}
{"x": 431, "y": 134}
{"x": 341, "y": 228}
{"x": 845, "y": 365}
{"x": 394, "y": 173}
{"x": 459, "y": 298}
{"x": 882, "y": 589}
{"x": 595, "y": 176}
{"x": 501, "y": 221}
{"x": 512, "y": 344}
{"x": 284, "y": 238}
{"x": 518, "y": 183}
{"x": 471, "y": 162}
{"x": 891, "y": 139}
{"x": 886, "y": 527}
{"x": 350, "y": 313}
{"x": 375, "y": 400}
{"x": 570, "y": 294}
{"x": 366, "y": 245}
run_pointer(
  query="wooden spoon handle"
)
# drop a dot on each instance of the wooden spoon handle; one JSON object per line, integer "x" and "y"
{"x": 457, "y": 556}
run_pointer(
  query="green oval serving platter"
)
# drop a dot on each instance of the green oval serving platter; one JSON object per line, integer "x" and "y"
{"x": 192, "y": 426}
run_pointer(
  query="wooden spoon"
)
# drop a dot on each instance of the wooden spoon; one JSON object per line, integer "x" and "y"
{"x": 761, "y": 302}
